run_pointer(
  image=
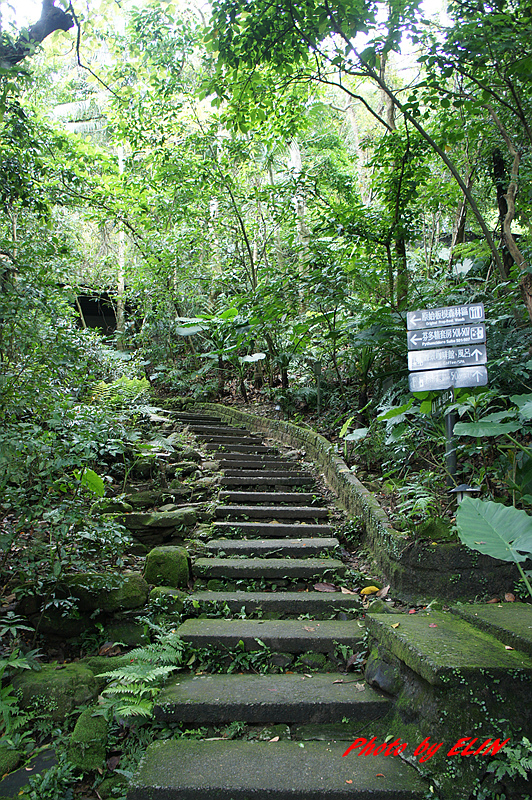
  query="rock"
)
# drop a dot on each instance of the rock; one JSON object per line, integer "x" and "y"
{"x": 188, "y": 454}
{"x": 183, "y": 518}
{"x": 9, "y": 760}
{"x": 144, "y": 499}
{"x": 281, "y": 660}
{"x": 88, "y": 743}
{"x": 282, "y": 731}
{"x": 383, "y": 671}
{"x": 112, "y": 505}
{"x": 110, "y": 787}
{"x": 168, "y": 507}
{"x": 58, "y": 689}
{"x": 100, "y": 590}
{"x": 215, "y": 585}
{"x": 66, "y": 624}
{"x": 144, "y": 468}
{"x": 169, "y": 597}
{"x": 313, "y": 660}
{"x": 167, "y": 566}
{"x": 185, "y": 468}
{"x": 130, "y": 634}
{"x": 378, "y": 606}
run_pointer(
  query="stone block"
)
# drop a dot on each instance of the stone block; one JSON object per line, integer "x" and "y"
{"x": 88, "y": 742}
{"x": 167, "y": 566}
{"x": 58, "y": 688}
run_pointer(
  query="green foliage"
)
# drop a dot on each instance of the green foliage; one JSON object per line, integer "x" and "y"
{"x": 121, "y": 393}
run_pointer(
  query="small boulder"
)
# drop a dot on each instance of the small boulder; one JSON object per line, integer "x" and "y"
{"x": 185, "y": 468}
{"x": 183, "y": 517}
{"x": 167, "y": 566}
{"x": 87, "y": 749}
{"x": 56, "y": 688}
{"x": 99, "y": 590}
{"x": 169, "y": 597}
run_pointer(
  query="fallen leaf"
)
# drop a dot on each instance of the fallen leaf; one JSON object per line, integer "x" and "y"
{"x": 308, "y": 628}
{"x": 325, "y": 587}
{"x": 432, "y": 625}
{"x": 113, "y": 762}
{"x": 396, "y": 624}
{"x": 509, "y": 597}
{"x": 379, "y": 775}
{"x": 351, "y": 660}
{"x": 275, "y": 739}
{"x": 346, "y": 591}
{"x": 308, "y": 675}
{"x": 412, "y": 611}
{"x": 109, "y": 649}
{"x": 384, "y": 591}
{"x": 360, "y": 687}
{"x": 507, "y": 647}
{"x": 349, "y": 781}
{"x": 369, "y": 590}
{"x": 494, "y": 600}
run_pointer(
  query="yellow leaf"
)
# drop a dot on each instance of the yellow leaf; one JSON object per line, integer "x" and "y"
{"x": 396, "y": 624}
{"x": 369, "y": 590}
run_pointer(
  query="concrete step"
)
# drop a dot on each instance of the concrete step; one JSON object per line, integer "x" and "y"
{"x": 273, "y": 529}
{"x": 182, "y": 416}
{"x": 269, "y": 498}
{"x": 294, "y": 548}
{"x": 180, "y": 769}
{"x": 259, "y": 457}
{"x": 272, "y": 512}
{"x": 268, "y": 699}
{"x": 282, "y": 636}
{"x": 442, "y": 648}
{"x": 229, "y": 438}
{"x": 510, "y": 623}
{"x": 259, "y": 463}
{"x": 267, "y": 568}
{"x": 292, "y": 603}
{"x": 241, "y": 448}
{"x": 233, "y": 472}
{"x": 271, "y": 480}
{"x": 222, "y": 428}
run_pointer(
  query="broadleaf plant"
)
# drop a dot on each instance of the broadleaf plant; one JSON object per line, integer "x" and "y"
{"x": 495, "y": 530}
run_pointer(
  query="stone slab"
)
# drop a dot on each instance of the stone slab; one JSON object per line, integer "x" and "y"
{"x": 267, "y": 568}
{"x": 291, "y": 699}
{"x": 229, "y": 438}
{"x": 247, "y": 463}
{"x": 511, "y": 623}
{"x": 283, "y": 636}
{"x": 182, "y": 416}
{"x": 136, "y": 521}
{"x": 265, "y": 473}
{"x": 239, "y": 770}
{"x": 262, "y": 481}
{"x": 241, "y": 448}
{"x": 221, "y": 428}
{"x": 272, "y": 512}
{"x": 295, "y": 548}
{"x": 441, "y": 647}
{"x": 274, "y": 529}
{"x": 293, "y": 603}
{"x": 268, "y": 498}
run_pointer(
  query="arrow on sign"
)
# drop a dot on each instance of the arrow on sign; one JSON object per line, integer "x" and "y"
{"x": 415, "y": 338}
{"x": 477, "y": 353}
{"x": 478, "y": 376}
{"x": 414, "y": 320}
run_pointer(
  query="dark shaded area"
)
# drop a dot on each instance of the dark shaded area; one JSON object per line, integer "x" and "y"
{"x": 97, "y": 311}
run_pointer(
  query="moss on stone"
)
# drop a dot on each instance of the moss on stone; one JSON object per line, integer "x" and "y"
{"x": 313, "y": 660}
{"x": 109, "y": 787}
{"x": 167, "y": 566}
{"x": 172, "y": 598}
{"x": 56, "y": 689}
{"x": 95, "y": 590}
{"x": 88, "y": 742}
{"x": 9, "y": 760}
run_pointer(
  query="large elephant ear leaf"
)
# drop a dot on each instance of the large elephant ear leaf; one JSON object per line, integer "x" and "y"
{"x": 498, "y": 531}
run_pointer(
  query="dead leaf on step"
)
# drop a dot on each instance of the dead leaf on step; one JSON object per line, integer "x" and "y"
{"x": 351, "y": 660}
{"x": 346, "y": 591}
{"x": 369, "y": 590}
{"x": 494, "y": 600}
{"x": 507, "y": 647}
{"x": 396, "y": 624}
{"x": 275, "y": 739}
{"x": 349, "y": 781}
{"x": 360, "y": 687}
{"x": 384, "y": 591}
{"x": 308, "y": 628}
{"x": 432, "y": 625}
{"x": 509, "y": 597}
{"x": 325, "y": 587}
{"x": 308, "y": 675}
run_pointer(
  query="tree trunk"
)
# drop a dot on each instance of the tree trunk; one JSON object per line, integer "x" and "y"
{"x": 52, "y": 19}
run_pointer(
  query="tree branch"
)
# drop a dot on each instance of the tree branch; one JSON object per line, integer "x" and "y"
{"x": 52, "y": 19}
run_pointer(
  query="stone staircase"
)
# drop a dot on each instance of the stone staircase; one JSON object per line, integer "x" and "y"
{"x": 271, "y": 527}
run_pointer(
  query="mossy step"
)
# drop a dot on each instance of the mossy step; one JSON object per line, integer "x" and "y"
{"x": 511, "y": 623}
{"x": 283, "y": 636}
{"x": 268, "y": 498}
{"x": 261, "y": 480}
{"x": 238, "y": 770}
{"x": 292, "y": 699}
{"x": 229, "y": 438}
{"x": 271, "y": 512}
{"x": 183, "y": 416}
{"x": 273, "y": 529}
{"x": 295, "y": 548}
{"x": 233, "y": 472}
{"x": 267, "y": 568}
{"x": 259, "y": 463}
{"x": 241, "y": 448}
{"x": 292, "y": 603}
{"x": 443, "y": 648}
{"x": 221, "y": 428}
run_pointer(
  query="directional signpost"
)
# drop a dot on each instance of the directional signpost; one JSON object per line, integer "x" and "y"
{"x": 447, "y": 351}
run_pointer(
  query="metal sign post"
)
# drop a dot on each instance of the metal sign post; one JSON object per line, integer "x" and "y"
{"x": 446, "y": 351}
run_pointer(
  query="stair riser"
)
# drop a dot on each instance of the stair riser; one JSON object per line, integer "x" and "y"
{"x": 267, "y": 572}
{"x": 266, "y": 530}
{"x": 293, "y": 603}
{"x": 271, "y": 512}
{"x": 272, "y": 481}
{"x": 309, "y": 548}
{"x": 268, "y": 498}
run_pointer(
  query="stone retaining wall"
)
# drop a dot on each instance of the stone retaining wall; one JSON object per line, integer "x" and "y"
{"x": 414, "y": 568}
